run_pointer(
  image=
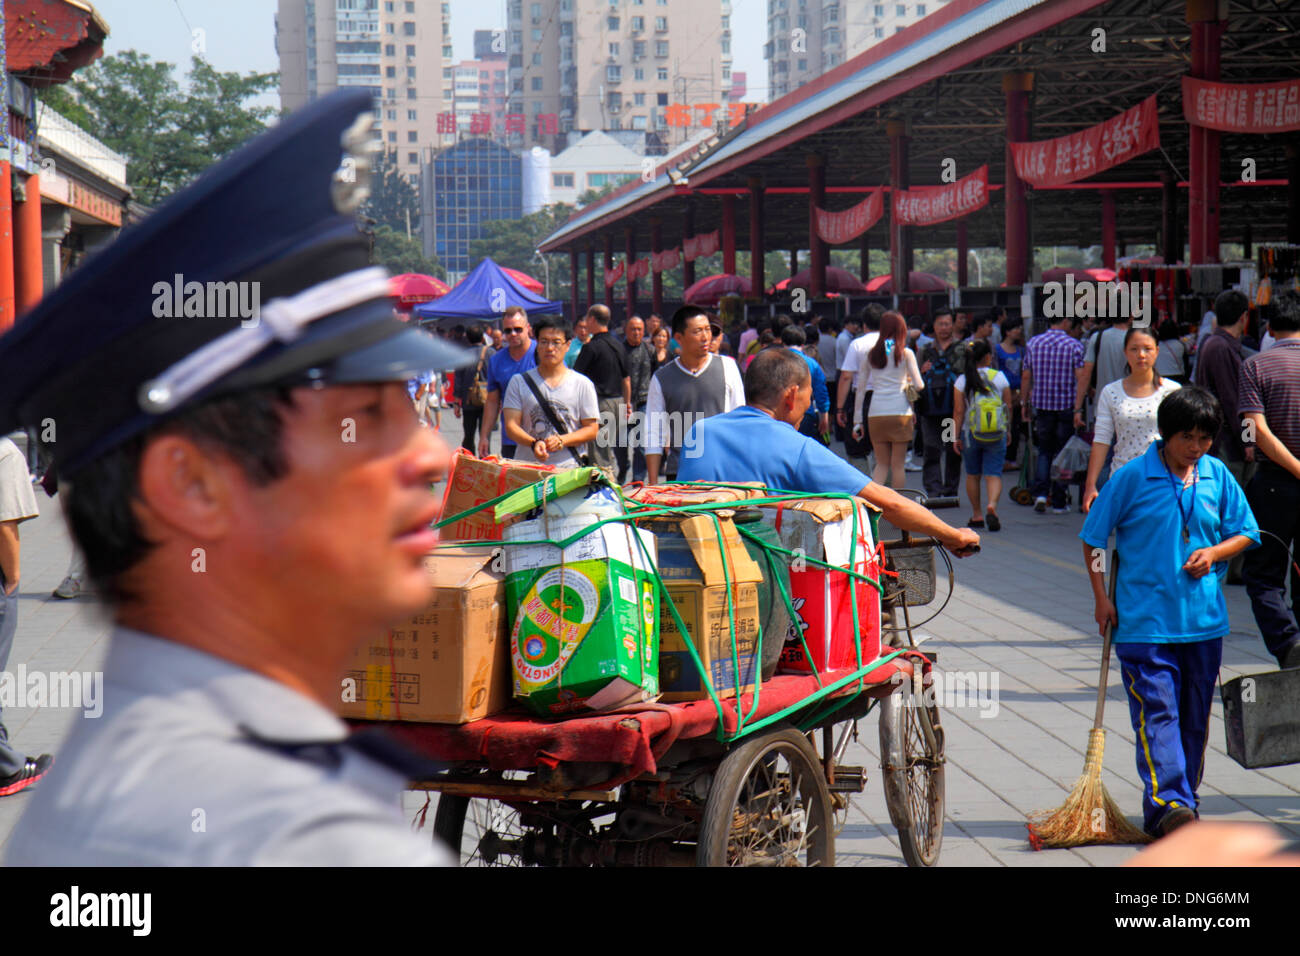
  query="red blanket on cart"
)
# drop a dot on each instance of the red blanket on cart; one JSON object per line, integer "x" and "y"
{"x": 635, "y": 737}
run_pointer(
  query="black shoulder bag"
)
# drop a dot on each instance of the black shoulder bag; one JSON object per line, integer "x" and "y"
{"x": 549, "y": 411}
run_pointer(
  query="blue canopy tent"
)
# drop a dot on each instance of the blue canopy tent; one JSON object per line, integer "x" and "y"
{"x": 485, "y": 294}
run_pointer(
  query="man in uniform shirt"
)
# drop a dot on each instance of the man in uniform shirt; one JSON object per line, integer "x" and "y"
{"x": 604, "y": 360}
{"x": 253, "y": 499}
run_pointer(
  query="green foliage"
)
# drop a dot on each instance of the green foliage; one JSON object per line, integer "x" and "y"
{"x": 135, "y": 106}
{"x": 393, "y": 249}
{"x": 392, "y": 197}
{"x": 513, "y": 243}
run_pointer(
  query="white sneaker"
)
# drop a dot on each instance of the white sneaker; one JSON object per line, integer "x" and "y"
{"x": 70, "y": 587}
{"x": 1060, "y": 511}
{"x": 1040, "y": 505}
{"x": 910, "y": 465}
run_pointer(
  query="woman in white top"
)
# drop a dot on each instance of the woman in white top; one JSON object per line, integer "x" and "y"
{"x": 887, "y": 369}
{"x": 1126, "y": 410}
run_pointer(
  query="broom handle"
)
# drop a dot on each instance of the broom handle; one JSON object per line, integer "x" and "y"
{"x": 1105, "y": 645}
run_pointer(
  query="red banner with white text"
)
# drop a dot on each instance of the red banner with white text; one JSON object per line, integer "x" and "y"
{"x": 838, "y": 227}
{"x": 663, "y": 261}
{"x": 1066, "y": 159}
{"x": 927, "y": 205}
{"x": 1242, "y": 107}
{"x": 613, "y": 275}
{"x": 697, "y": 247}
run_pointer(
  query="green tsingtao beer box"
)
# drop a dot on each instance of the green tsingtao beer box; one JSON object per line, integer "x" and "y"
{"x": 584, "y": 623}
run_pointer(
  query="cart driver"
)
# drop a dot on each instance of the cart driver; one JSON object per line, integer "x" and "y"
{"x": 252, "y": 495}
{"x": 760, "y": 442}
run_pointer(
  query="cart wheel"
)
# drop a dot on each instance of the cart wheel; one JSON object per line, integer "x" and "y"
{"x": 482, "y": 832}
{"x": 912, "y": 761}
{"x": 768, "y": 806}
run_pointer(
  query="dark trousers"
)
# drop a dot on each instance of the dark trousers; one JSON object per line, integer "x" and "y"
{"x": 942, "y": 469}
{"x": 1013, "y": 436}
{"x": 854, "y": 447}
{"x": 1051, "y": 431}
{"x": 1274, "y": 497}
{"x": 1169, "y": 688}
{"x": 472, "y": 417}
{"x": 637, "y": 458}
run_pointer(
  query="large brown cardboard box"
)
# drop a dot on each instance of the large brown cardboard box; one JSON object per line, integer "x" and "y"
{"x": 691, "y": 563}
{"x": 472, "y": 481}
{"x": 449, "y": 664}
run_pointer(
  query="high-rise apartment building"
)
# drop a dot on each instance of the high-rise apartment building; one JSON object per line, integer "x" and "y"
{"x": 480, "y": 89}
{"x": 807, "y": 38}
{"x": 397, "y": 50}
{"x": 617, "y": 64}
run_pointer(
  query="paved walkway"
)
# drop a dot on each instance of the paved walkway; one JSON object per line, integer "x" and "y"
{"x": 1022, "y": 611}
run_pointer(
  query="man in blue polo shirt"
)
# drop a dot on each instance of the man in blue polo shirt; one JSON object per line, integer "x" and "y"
{"x": 518, "y": 356}
{"x": 758, "y": 442}
{"x": 1179, "y": 516}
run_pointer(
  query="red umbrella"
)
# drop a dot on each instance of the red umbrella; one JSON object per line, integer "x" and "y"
{"x": 412, "y": 288}
{"x": 916, "y": 282}
{"x": 837, "y": 280}
{"x": 1080, "y": 274}
{"x": 525, "y": 280}
{"x": 709, "y": 290}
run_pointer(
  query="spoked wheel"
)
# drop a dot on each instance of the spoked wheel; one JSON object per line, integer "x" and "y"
{"x": 483, "y": 832}
{"x": 768, "y": 806}
{"x": 911, "y": 753}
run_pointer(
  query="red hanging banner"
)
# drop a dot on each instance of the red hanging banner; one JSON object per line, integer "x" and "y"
{"x": 927, "y": 205}
{"x": 702, "y": 245}
{"x": 1242, "y": 107}
{"x": 662, "y": 261}
{"x": 1066, "y": 159}
{"x": 838, "y": 227}
{"x": 612, "y": 276}
{"x": 638, "y": 269}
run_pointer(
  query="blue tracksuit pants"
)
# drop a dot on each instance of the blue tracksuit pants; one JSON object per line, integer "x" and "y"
{"x": 1170, "y": 688}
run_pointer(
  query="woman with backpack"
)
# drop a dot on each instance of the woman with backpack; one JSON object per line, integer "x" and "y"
{"x": 893, "y": 379}
{"x": 1126, "y": 409}
{"x": 981, "y": 400}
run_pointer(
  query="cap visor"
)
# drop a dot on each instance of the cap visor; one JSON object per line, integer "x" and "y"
{"x": 399, "y": 357}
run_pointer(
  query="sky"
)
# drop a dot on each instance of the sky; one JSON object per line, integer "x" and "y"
{"x": 239, "y": 35}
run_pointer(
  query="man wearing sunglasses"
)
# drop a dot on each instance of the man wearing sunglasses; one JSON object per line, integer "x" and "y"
{"x": 518, "y": 356}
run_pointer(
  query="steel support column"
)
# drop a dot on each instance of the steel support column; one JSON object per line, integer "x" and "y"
{"x": 757, "y": 251}
{"x": 729, "y": 235}
{"x": 1171, "y": 246}
{"x": 1020, "y": 254}
{"x": 1108, "y": 228}
{"x": 963, "y": 253}
{"x": 591, "y": 277}
{"x": 656, "y": 278}
{"x": 899, "y": 132}
{"x": 573, "y": 281}
{"x": 817, "y": 248}
{"x": 864, "y": 256}
{"x": 1206, "y": 18}
{"x": 1293, "y": 191}
{"x": 609, "y": 267}
{"x": 630, "y": 250}
{"x": 688, "y": 231}
{"x": 28, "y": 286}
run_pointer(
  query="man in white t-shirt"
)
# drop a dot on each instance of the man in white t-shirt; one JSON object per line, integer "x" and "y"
{"x": 570, "y": 398}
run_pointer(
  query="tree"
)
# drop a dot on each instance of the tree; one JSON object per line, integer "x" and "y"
{"x": 513, "y": 243}
{"x": 400, "y": 254}
{"x": 392, "y": 197}
{"x": 134, "y": 105}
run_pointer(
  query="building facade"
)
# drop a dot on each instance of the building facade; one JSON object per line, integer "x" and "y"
{"x": 806, "y": 38}
{"x": 397, "y": 50}
{"x": 582, "y": 65}
{"x": 462, "y": 187}
{"x": 595, "y": 161}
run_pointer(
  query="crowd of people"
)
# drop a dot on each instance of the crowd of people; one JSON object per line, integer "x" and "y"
{"x": 1214, "y": 424}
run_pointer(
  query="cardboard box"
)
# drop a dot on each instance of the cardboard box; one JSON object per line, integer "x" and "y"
{"x": 585, "y": 633}
{"x": 473, "y": 481}
{"x": 697, "y": 585}
{"x": 672, "y": 495}
{"x": 449, "y": 664}
{"x": 822, "y": 529}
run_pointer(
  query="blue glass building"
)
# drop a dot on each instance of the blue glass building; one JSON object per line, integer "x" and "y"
{"x": 473, "y": 182}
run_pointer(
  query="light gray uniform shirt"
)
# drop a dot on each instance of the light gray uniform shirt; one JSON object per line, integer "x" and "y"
{"x": 169, "y": 776}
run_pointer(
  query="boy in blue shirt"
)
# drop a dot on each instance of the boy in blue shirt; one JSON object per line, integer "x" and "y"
{"x": 1179, "y": 517}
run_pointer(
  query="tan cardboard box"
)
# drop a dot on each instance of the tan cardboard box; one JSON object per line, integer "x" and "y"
{"x": 473, "y": 481}
{"x": 697, "y": 586}
{"x": 450, "y": 664}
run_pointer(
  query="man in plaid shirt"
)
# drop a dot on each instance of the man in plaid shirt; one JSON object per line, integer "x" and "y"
{"x": 1050, "y": 376}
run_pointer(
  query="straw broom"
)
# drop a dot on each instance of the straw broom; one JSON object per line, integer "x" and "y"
{"x": 1089, "y": 815}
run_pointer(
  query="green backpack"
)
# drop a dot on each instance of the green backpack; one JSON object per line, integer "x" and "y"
{"x": 986, "y": 418}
